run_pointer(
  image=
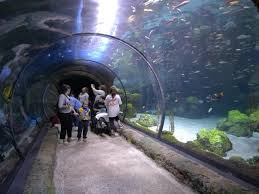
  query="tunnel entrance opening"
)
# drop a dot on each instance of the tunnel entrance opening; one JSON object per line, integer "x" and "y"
{"x": 77, "y": 82}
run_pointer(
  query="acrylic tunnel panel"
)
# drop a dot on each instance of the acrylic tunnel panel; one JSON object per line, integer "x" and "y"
{"x": 133, "y": 76}
{"x": 207, "y": 56}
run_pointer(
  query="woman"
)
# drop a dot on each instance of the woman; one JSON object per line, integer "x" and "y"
{"x": 98, "y": 93}
{"x": 113, "y": 102}
{"x": 83, "y": 96}
{"x": 65, "y": 113}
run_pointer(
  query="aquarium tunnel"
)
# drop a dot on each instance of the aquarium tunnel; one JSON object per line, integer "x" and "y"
{"x": 187, "y": 73}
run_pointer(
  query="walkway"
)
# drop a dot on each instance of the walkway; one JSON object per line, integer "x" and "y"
{"x": 110, "y": 165}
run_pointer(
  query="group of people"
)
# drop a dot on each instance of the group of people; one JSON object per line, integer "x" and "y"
{"x": 79, "y": 111}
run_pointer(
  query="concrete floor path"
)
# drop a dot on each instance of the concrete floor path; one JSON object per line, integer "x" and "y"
{"x": 105, "y": 165}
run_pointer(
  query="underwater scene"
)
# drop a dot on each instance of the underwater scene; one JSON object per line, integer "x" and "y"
{"x": 207, "y": 55}
{"x": 187, "y": 67}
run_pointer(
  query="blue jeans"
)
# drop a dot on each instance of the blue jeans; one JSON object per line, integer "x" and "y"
{"x": 75, "y": 120}
{"x": 82, "y": 125}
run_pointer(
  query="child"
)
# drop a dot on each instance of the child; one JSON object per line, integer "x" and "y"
{"x": 113, "y": 102}
{"x": 84, "y": 116}
{"x": 83, "y": 96}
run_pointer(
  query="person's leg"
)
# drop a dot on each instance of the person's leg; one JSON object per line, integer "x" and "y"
{"x": 63, "y": 126}
{"x": 76, "y": 121}
{"x": 112, "y": 126}
{"x": 79, "y": 132}
{"x": 86, "y": 123}
{"x": 69, "y": 127}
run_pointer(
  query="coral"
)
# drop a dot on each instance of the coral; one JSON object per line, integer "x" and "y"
{"x": 214, "y": 140}
{"x": 147, "y": 120}
{"x": 236, "y": 123}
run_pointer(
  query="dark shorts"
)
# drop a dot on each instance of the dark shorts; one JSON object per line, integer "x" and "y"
{"x": 114, "y": 118}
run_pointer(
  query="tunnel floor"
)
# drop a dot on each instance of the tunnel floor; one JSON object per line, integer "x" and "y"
{"x": 110, "y": 165}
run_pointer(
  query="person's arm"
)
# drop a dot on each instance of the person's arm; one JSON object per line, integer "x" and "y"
{"x": 97, "y": 92}
{"x": 106, "y": 101}
{"x": 119, "y": 98}
{"x": 62, "y": 102}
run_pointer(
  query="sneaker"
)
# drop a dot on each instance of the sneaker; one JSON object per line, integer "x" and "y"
{"x": 69, "y": 139}
{"x": 79, "y": 139}
{"x": 84, "y": 139}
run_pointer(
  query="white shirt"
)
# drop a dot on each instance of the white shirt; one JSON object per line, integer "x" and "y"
{"x": 113, "y": 105}
{"x": 98, "y": 94}
{"x": 64, "y": 104}
{"x": 83, "y": 97}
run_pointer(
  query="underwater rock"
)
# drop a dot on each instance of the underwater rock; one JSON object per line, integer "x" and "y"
{"x": 237, "y": 124}
{"x": 147, "y": 120}
{"x": 214, "y": 140}
{"x": 14, "y": 63}
{"x": 34, "y": 21}
{"x": 253, "y": 161}
{"x": 192, "y": 107}
{"x": 237, "y": 160}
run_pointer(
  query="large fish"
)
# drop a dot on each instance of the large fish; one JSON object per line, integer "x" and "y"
{"x": 180, "y": 4}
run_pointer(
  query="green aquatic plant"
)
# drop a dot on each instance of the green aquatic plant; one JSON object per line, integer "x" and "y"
{"x": 254, "y": 118}
{"x": 237, "y": 123}
{"x": 167, "y": 135}
{"x": 214, "y": 140}
{"x": 131, "y": 111}
{"x": 147, "y": 120}
{"x": 235, "y": 116}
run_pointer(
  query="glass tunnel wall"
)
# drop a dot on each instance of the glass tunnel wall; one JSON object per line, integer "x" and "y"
{"x": 205, "y": 52}
{"x": 135, "y": 80}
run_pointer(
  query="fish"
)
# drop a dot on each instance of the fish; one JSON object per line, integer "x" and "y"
{"x": 132, "y": 18}
{"x": 148, "y": 10}
{"x": 210, "y": 109}
{"x": 133, "y": 9}
{"x": 233, "y": 2}
{"x": 215, "y": 97}
{"x": 180, "y": 4}
{"x": 201, "y": 101}
{"x": 147, "y": 37}
{"x": 243, "y": 36}
{"x": 150, "y": 2}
